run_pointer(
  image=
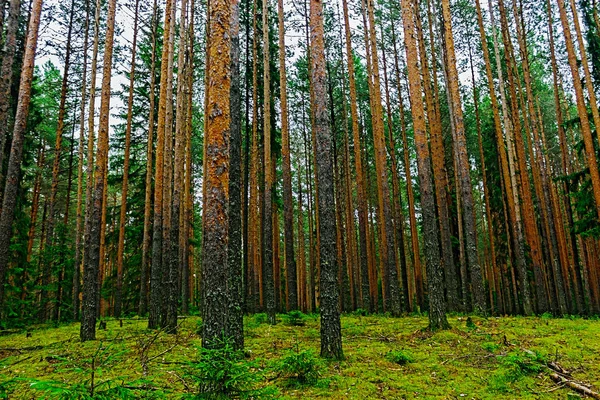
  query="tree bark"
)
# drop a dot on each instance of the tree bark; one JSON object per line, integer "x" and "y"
{"x": 16, "y": 152}
{"x": 216, "y": 200}
{"x": 146, "y": 241}
{"x": 125, "y": 184}
{"x": 91, "y": 268}
{"x": 157, "y": 270}
{"x": 331, "y": 332}
{"x": 437, "y": 307}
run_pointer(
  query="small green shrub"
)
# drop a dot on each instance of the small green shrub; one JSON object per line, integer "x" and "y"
{"x": 516, "y": 367}
{"x": 302, "y": 367}
{"x": 199, "y": 326}
{"x": 399, "y": 357}
{"x": 490, "y": 346}
{"x": 224, "y": 373}
{"x": 295, "y": 318}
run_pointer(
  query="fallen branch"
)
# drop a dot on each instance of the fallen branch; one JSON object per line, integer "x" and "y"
{"x": 577, "y": 386}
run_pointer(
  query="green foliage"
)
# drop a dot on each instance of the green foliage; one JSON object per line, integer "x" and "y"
{"x": 224, "y": 373}
{"x": 516, "y": 366}
{"x": 295, "y": 318}
{"x": 301, "y": 367}
{"x": 89, "y": 370}
{"x": 399, "y": 357}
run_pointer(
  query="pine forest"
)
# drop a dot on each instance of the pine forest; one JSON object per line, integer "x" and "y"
{"x": 348, "y": 199}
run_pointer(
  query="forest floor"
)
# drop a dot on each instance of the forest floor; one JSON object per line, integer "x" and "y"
{"x": 385, "y": 358}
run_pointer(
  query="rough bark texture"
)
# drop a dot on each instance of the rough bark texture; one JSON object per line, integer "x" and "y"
{"x": 146, "y": 240}
{"x": 16, "y": 152}
{"x": 435, "y": 277}
{"x": 360, "y": 178}
{"x": 216, "y": 200}
{"x": 288, "y": 208}
{"x": 6, "y": 71}
{"x": 125, "y": 183}
{"x": 331, "y": 330}
{"x": 156, "y": 273}
{"x": 91, "y": 268}
{"x": 235, "y": 269}
{"x": 386, "y": 221}
{"x": 464, "y": 169}
{"x": 79, "y": 228}
{"x": 439, "y": 169}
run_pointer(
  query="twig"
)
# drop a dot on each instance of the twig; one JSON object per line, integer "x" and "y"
{"x": 577, "y": 386}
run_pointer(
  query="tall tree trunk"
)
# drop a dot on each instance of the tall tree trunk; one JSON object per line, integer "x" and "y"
{"x": 60, "y": 127}
{"x": 509, "y": 173}
{"x": 146, "y": 241}
{"x": 439, "y": 166}
{"x": 156, "y": 273}
{"x": 409, "y": 185}
{"x": 588, "y": 140}
{"x": 91, "y": 268}
{"x": 216, "y": 200}
{"x": 360, "y": 177}
{"x": 398, "y": 214}
{"x": 464, "y": 169}
{"x": 77, "y": 269}
{"x": 331, "y": 330}
{"x": 268, "y": 285}
{"x": 437, "y": 307}
{"x": 290, "y": 259}
{"x": 125, "y": 184}
{"x": 6, "y": 71}
{"x": 16, "y": 152}
{"x": 235, "y": 270}
{"x": 91, "y": 142}
{"x": 391, "y": 283}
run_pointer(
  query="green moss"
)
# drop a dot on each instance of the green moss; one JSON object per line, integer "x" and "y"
{"x": 483, "y": 362}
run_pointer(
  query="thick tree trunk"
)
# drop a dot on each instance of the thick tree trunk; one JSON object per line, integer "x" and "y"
{"x": 156, "y": 273}
{"x": 91, "y": 267}
{"x": 331, "y": 330}
{"x": 6, "y": 71}
{"x": 146, "y": 241}
{"x": 477, "y": 288}
{"x": 16, "y": 152}
{"x": 437, "y": 307}
{"x": 360, "y": 177}
{"x": 216, "y": 200}
{"x": 235, "y": 268}
{"x": 125, "y": 184}
{"x": 290, "y": 259}
{"x": 439, "y": 167}
{"x": 77, "y": 268}
{"x": 268, "y": 284}
{"x": 391, "y": 286}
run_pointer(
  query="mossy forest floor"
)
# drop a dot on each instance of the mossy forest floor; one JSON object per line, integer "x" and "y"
{"x": 385, "y": 358}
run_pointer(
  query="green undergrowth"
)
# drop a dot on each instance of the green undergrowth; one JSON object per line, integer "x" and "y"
{"x": 385, "y": 358}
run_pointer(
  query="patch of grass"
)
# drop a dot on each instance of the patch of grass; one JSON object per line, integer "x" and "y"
{"x": 399, "y": 357}
{"x": 460, "y": 363}
{"x": 301, "y": 367}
